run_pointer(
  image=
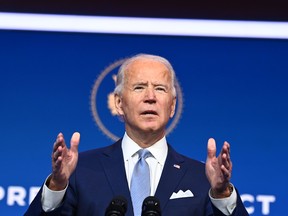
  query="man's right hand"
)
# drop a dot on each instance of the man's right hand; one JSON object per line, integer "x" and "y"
{"x": 64, "y": 161}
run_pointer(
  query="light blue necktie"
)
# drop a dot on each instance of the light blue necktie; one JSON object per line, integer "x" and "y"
{"x": 140, "y": 181}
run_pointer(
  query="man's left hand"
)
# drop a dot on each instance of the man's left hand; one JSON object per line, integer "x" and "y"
{"x": 219, "y": 169}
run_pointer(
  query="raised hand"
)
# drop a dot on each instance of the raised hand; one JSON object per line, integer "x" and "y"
{"x": 64, "y": 161}
{"x": 219, "y": 169}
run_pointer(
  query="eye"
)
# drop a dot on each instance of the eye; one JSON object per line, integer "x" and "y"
{"x": 161, "y": 89}
{"x": 138, "y": 88}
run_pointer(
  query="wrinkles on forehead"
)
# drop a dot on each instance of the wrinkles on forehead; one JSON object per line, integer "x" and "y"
{"x": 147, "y": 70}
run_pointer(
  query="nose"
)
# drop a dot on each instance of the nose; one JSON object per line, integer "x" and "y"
{"x": 150, "y": 96}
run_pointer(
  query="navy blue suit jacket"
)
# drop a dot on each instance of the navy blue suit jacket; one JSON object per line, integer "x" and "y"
{"x": 100, "y": 176}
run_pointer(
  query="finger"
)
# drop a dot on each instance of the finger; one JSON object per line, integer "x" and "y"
{"x": 226, "y": 161}
{"x": 58, "y": 153}
{"x": 58, "y": 162}
{"x": 59, "y": 142}
{"x": 75, "y": 139}
{"x": 211, "y": 148}
{"x": 58, "y": 147}
{"x": 226, "y": 148}
{"x": 225, "y": 153}
{"x": 226, "y": 172}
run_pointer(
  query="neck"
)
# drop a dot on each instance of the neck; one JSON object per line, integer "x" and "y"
{"x": 145, "y": 139}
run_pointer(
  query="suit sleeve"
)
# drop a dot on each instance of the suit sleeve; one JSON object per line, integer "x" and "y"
{"x": 240, "y": 209}
{"x": 68, "y": 206}
{"x": 35, "y": 208}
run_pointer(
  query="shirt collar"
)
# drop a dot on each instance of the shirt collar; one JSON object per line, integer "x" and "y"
{"x": 159, "y": 150}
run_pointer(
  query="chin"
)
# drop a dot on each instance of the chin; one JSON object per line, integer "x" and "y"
{"x": 152, "y": 129}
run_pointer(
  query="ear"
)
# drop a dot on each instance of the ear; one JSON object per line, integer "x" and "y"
{"x": 173, "y": 107}
{"x": 118, "y": 104}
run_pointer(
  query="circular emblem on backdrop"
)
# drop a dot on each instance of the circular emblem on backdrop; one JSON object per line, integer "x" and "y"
{"x": 103, "y": 90}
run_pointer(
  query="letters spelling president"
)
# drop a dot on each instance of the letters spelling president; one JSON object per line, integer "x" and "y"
{"x": 145, "y": 97}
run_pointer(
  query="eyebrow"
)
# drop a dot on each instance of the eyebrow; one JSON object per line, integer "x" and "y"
{"x": 140, "y": 83}
{"x": 154, "y": 84}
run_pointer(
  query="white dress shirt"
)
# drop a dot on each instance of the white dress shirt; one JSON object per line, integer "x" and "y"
{"x": 156, "y": 162}
{"x": 159, "y": 150}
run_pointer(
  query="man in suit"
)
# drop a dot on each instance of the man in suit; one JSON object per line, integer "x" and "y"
{"x": 145, "y": 97}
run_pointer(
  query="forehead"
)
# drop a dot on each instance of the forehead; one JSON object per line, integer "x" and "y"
{"x": 148, "y": 70}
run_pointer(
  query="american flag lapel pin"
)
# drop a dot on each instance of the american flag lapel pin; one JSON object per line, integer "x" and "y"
{"x": 176, "y": 166}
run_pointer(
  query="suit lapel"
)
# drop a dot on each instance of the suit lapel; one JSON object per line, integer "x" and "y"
{"x": 172, "y": 174}
{"x": 113, "y": 164}
{"x": 114, "y": 168}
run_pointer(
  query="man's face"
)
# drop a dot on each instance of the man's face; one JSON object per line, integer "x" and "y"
{"x": 146, "y": 102}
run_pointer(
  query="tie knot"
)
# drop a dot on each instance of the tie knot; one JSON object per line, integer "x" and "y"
{"x": 144, "y": 153}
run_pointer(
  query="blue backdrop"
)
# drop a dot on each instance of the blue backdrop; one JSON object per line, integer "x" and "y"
{"x": 233, "y": 89}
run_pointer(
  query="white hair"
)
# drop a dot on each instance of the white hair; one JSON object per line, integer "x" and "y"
{"x": 124, "y": 67}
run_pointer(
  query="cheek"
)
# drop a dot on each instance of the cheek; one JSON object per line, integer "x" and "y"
{"x": 128, "y": 108}
{"x": 170, "y": 109}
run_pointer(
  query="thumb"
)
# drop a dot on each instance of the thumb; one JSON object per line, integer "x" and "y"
{"x": 211, "y": 148}
{"x": 75, "y": 139}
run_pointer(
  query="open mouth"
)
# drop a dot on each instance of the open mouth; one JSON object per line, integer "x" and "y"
{"x": 149, "y": 112}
